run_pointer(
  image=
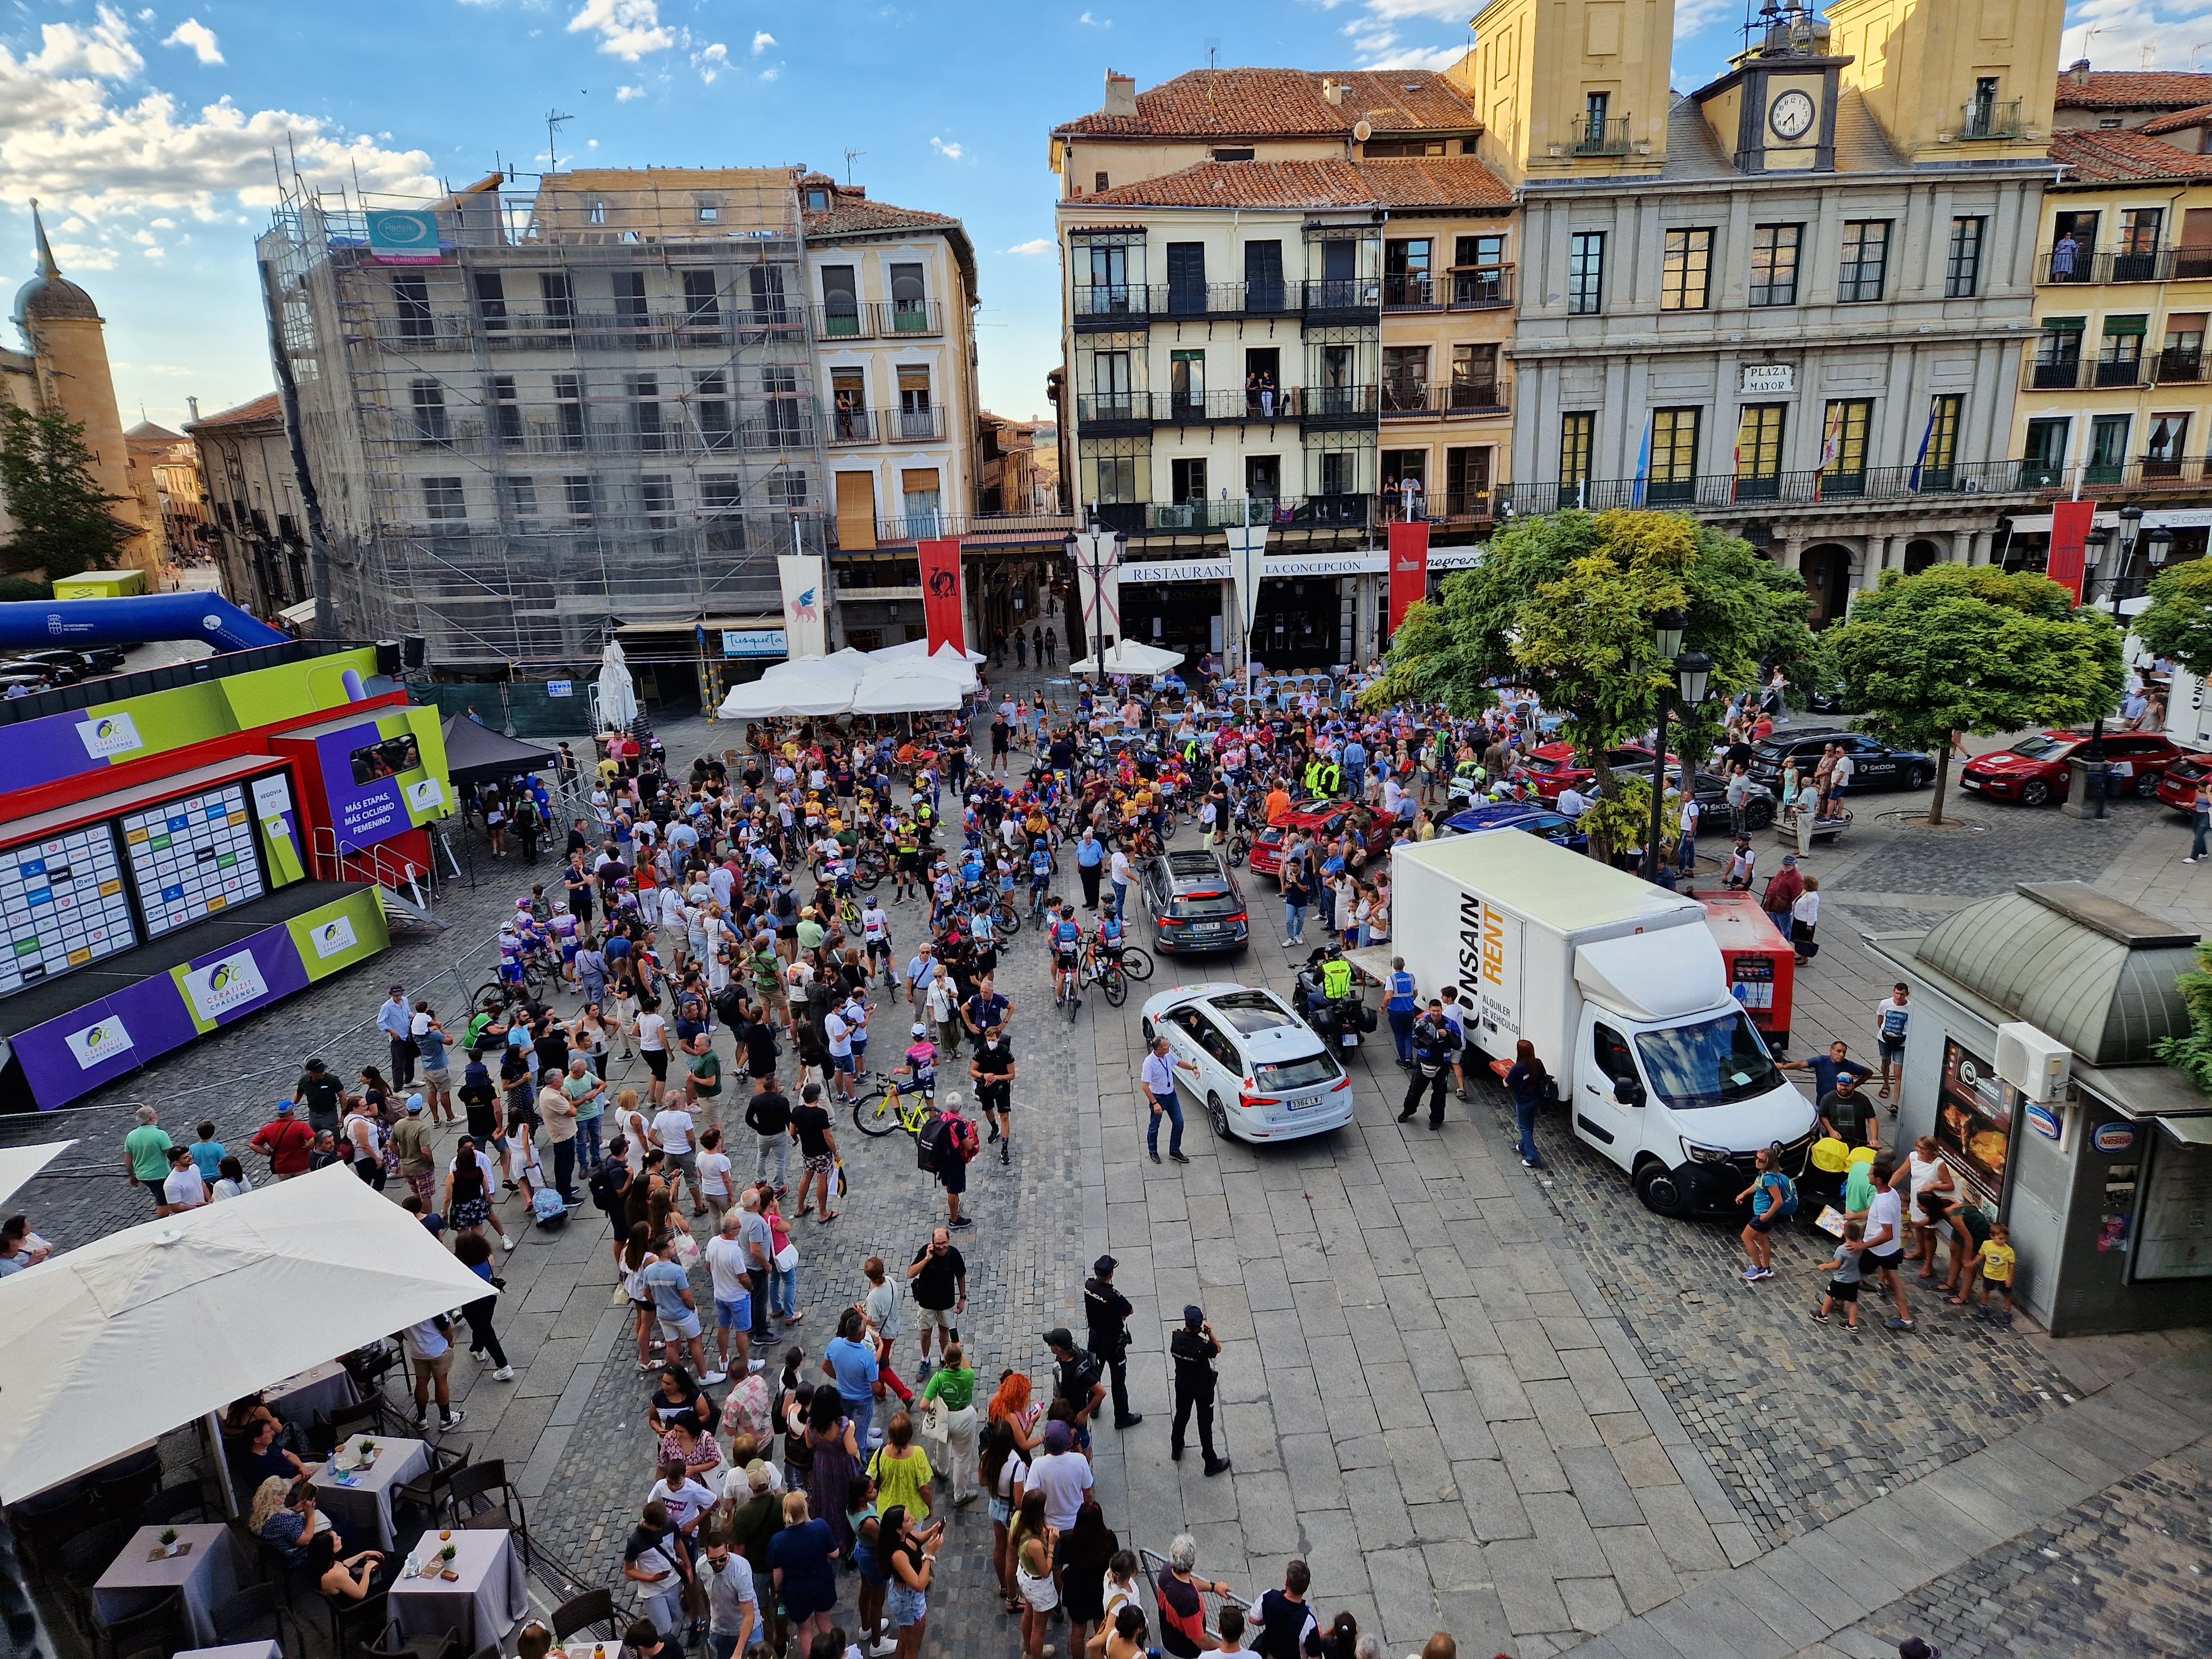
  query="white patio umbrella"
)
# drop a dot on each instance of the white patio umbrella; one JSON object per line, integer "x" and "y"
{"x": 155, "y": 1327}
{"x": 908, "y": 649}
{"x": 19, "y": 1164}
{"x": 910, "y": 688}
{"x": 1131, "y": 657}
{"x": 617, "y": 696}
{"x": 805, "y": 687}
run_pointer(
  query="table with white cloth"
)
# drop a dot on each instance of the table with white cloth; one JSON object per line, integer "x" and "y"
{"x": 207, "y": 1574}
{"x": 237, "y": 1650}
{"x": 481, "y": 1606}
{"x": 323, "y": 1390}
{"x": 360, "y": 1503}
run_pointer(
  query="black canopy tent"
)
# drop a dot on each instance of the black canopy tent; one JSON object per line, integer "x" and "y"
{"x": 475, "y": 753}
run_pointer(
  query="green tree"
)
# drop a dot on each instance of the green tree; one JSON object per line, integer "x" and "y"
{"x": 62, "y": 525}
{"x": 2178, "y": 623}
{"x": 1566, "y": 604}
{"x": 2192, "y": 1055}
{"x": 1972, "y": 648}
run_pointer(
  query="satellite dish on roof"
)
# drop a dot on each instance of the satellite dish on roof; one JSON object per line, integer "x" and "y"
{"x": 1363, "y": 131}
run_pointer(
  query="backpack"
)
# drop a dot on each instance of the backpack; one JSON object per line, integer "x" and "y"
{"x": 964, "y": 1139}
{"x": 605, "y": 1192}
{"x": 929, "y": 1145}
{"x": 1787, "y": 1207}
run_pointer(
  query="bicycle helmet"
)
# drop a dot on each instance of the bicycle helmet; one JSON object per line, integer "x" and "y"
{"x": 522, "y": 905}
{"x": 921, "y": 1031}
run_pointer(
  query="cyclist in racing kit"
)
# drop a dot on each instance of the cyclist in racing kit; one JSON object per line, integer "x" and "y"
{"x": 565, "y": 933}
{"x": 921, "y": 1063}
{"x": 1106, "y": 944}
{"x": 1039, "y": 875}
{"x": 1066, "y": 935}
{"x": 512, "y": 946}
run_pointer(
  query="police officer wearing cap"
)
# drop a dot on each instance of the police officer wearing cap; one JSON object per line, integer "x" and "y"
{"x": 1106, "y": 1312}
{"x": 1194, "y": 1348}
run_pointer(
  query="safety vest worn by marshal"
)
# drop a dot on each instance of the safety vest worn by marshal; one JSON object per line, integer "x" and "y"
{"x": 1331, "y": 780}
{"x": 1402, "y": 999}
{"x": 1336, "y": 979}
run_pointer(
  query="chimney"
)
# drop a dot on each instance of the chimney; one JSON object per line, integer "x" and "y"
{"x": 2077, "y": 72}
{"x": 1121, "y": 94}
{"x": 1332, "y": 93}
{"x": 193, "y": 405}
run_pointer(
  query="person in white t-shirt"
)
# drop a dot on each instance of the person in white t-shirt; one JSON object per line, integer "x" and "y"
{"x": 672, "y": 1132}
{"x": 840, "y": 1036}
{"x": 1882, "y": 1249}
{"x": 651, "y": 1029}
{"x": 713, "y": 1174}
{"x": 682, "y": 1496}
{"x": 185, "y": 1189}
{"x": 729, "y": 1267}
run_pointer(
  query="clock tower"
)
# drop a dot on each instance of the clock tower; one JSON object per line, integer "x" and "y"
{"x": 1776, "y": 107}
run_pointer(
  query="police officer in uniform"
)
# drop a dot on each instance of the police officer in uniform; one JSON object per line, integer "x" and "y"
{"x": 1193, "y": 1348}
{"x": 1403, "y": 1007}
{"x": 1336, "y": 979}
{"x": 1106, "y": 1312}
{"x": 1436, "y": 1043}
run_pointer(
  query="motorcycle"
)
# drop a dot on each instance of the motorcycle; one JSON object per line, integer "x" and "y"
{"x": 1469, "y": 790}
{"x": 1340, "y": 1021}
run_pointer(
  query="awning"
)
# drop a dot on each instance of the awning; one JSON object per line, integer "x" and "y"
{"x": 301, "y": 614}
{"x": 2190, "y": 1131}
{"x": 475, "y": 752}
{"x": 19, "y": 1164}
{"x": 150, "y": 1328}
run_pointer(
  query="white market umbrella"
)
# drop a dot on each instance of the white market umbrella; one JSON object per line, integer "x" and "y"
{"x": 19, "y": 1165}
{"x": 806, "y": 687}
{"x": 617, "y": 696}
{"x": 1131, "y": 657}
{"x": 906, "y": 650}
{"x": 155, "y": 1327}
{"x": 905, "y": 689}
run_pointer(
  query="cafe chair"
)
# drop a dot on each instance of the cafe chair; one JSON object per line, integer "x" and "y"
{"x": 85, "y": 1558}
{"x": 119, "y": 1493}
{"x": 45, "y": 1522}
{"x": 594, "y": 1606}
{"x": 358, "y": 1623}
{"x": 366, "y": 1418}
{"x": 160, "y": 1624}
{"x": 174, "y": 1503}
{"x": 472, "y": 1491}
{"x": 258, "y": 1610}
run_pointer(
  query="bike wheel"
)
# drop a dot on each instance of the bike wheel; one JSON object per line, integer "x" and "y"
{"x": 1136, "y": 961}
{"x": 1008, "y": 919}
{"x": 865, "y": 876}
{"x": 1115, "y": 984}
{"x": 1070, "y": 1000}
{"x": 495, "y": 995}
{"x": 878, "y": 1115}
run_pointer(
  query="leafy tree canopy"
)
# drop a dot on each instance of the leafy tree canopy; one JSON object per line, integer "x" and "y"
{"x": 62, "y": 525}
{"x": 2178, "y": 624}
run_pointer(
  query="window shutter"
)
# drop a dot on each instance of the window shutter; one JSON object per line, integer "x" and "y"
{"x": 856, "y": 511}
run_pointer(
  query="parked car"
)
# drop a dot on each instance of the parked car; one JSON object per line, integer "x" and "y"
{"x": 1552, "y": 768}
{"x": 1196, "y": 904}
{"x": 1320, "y": 820}
{"x": 1758, "y": 808}
{"x": 1875, "y": 765}
{"x": 1254, "y": 1069}
{"x": 2034, "y": 771}
{"x": 1554, "y": 827}
{"x": 67, "y": 672}
{"x": 2176, "y": 784}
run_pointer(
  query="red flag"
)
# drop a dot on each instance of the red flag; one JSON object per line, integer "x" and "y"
{"x": 2069, "y": 531}
{"x": 940, "y": 595}
{"x": 1409, "y": 567}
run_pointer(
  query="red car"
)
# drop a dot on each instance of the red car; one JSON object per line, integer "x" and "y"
{"x": 1319, "y": 820}
{"x": 2033, "y": 771}
{"x": 1552, "y": 768}
{"x": 2176, "y": 785}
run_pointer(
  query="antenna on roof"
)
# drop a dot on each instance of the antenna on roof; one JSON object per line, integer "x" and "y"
{"x": 554, "y": 122}
{"x": 851, "y": 155}
{"x": 1213, "y": 51}
{"x": 2197, "y": 54}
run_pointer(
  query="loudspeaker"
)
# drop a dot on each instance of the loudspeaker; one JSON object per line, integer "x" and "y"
{"x": 413, "y": 646}
{"x": 387, "y": 658}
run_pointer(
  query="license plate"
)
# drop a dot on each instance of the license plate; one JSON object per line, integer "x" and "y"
{"x": 1305, "y": 1105}
{"x": 1971, "y": 783}
{"x": 1349, "y": 1039}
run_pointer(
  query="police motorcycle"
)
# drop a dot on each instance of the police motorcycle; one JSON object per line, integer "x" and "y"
{"x": 1328, "y": 997}
{"x": 1470, "y": 785}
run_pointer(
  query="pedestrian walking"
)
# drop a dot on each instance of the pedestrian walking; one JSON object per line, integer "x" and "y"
{"x": 1883, "y": 1246}
{"x": 397, "y": 1021}
{"x": 938, "y": 1276}
{"x": 1403, "y": 1007}
{"x": 1773, "y": 1198}
{"x": 1157, "y": 1078}
{"x": 1528, "y": 1082}
{"x": 1891, "y": 1016}
{"x": 1804, "y": 920}
{"x": 474, "y": 1253}
{"x": 2200, "y": 821}
{"x": 1193, "y": 1348}
{"x": 1106, "y": 1317}
{"x": 1436, "y": 1042}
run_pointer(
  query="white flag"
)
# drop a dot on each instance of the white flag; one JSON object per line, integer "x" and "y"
{"x": 805, "y": 604}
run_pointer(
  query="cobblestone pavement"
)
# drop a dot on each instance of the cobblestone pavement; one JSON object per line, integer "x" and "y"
{"x": 2123, "y": 1573}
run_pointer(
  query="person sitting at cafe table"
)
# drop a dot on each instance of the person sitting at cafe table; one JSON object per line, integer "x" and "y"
{"x": 263, "y": 1457}
{"x": 285, "y": 1515}
{"x": 347, "y": 1578}
{"x": 533, "y": 1641}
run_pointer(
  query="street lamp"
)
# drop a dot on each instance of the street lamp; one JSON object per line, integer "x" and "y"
{"x": 1666, "y": 630}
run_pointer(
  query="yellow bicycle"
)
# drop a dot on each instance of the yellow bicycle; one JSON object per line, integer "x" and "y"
{"x": 892, "y": 1110}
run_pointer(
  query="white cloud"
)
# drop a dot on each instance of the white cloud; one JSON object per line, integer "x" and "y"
{"x": 1027, "y": 250}
{"x": 771, "y": 74}
{"x": 2134, "y": 35}
{"x": 1089, "y": 22}
{"x": 950, "y": 151}
{"x": 1692, "y": 16}
{"x": 710, "y": 61}
{"x": 1378, "y": 44}
{"x": 762, "y": 42}
{"x": 629, "y": 94}
{"x": 198, "y": 37}
{"x": 104, "y": 49}
{"x": 628, "y": 29}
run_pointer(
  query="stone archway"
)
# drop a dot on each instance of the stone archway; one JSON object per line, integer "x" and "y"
{"x": 1827, "y": 568}
{"x": 1919, "y": 554}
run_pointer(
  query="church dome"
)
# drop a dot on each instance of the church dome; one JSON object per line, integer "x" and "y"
{"x": 49, "y": 297}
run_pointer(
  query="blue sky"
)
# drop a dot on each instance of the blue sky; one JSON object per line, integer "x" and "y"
{"x": 145, "y": 132}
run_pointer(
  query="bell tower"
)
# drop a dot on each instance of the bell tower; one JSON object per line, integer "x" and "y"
{"x": 1570, "y": 88}
{"x": 1955, "y": 78}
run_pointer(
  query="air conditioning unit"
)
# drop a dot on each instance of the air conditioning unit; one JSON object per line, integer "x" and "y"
{"x": 2038, "y": 1065}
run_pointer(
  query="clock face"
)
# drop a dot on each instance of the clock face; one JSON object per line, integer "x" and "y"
{"x": 1792, "y": 115}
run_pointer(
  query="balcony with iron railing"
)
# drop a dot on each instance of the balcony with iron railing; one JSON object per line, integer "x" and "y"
{"x": 977, "y": 527}
{"x": 1597, "y": 135}
{"x": 2179, "y": 366}
{"x": 1477, "y": 287}
{"x": 882, "y": 426}
{"x": 2057, "y": 268}
{"x": 1406, "y": 400}
{"x": 2083, "y": 374}
{"x": 1316, "y": 513}
{"x": 1986, "y": 118}
{"x": 1099, "y": 414}
{"x": 1095, "y": 307}
{"x": 1723, "y": 491}
{"x": 1410, "y": 290}
{"x": 877, "y": 319}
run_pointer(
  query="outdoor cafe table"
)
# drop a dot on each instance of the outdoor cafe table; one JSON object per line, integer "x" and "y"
{"x": 206, "y": 1574}
{"x": 238, "y": 1650}
{"x": 322, "y": 1390}
{"x": 481, "y": 1606}
{"x": 359, "y": 1505}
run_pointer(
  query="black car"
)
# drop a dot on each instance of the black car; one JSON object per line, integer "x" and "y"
{"x": 66, "y": 672}
{"x": 1195, "y": 903}
{"x": 1875, "y": 765}
{"x": 97, "y": 659}
{"x": 1712, "y": 800}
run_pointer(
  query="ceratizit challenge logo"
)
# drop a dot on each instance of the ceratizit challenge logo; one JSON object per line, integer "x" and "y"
{"x": 109, "y": 734}
{"x": 222, "y": 986}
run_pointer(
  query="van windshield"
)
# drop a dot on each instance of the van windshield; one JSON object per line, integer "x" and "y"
{"x": 1714, "y": 1062}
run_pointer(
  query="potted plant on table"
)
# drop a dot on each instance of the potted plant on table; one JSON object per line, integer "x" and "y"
{"x": 169, "y": 1545}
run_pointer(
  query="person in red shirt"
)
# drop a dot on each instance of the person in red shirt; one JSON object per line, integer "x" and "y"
{"x": 285, "y": 1143}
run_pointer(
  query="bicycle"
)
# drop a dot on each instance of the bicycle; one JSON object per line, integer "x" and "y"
{"x": 1006, "y": 918}
{"x": 1070, "y": 997}
{"x": 500, "y": 994}
{"x": 892, "y": 1110}
{"x": 1136, "y": 962}
{"x": 1109, "y": 977}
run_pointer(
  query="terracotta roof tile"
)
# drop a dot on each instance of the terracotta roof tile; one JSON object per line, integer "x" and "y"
{"x": 2135, "y": 89}
{"x": 1283, "y": 103}
{"x": 850, "y": 217}
{"x": 2119, "y": 156}
{"x": 2184, "y": 122}
{"x": 267, "y": 407}
{"x": 1431, "y": 181}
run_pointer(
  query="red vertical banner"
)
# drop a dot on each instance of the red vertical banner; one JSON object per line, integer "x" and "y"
{"x": 1409, "y": 567}
{"x": 940, "y": 595}
{"x": 2069, "y": 534}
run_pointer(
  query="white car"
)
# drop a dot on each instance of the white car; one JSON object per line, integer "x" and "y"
{"x": 1254, "y": 1068}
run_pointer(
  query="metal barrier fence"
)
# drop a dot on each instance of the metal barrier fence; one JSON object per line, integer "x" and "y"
{"x": 1154, "y": 1564}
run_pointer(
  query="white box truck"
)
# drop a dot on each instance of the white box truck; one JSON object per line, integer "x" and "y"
{"x": 1620, "y": 988}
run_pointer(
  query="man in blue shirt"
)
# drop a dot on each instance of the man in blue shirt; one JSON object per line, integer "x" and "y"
{"x": 1826, "y": 1068}
{"x": 853, "y": 1363}
{"x": 1090, "y": 856}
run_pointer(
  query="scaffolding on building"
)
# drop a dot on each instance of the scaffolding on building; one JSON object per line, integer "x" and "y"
{"x": 596, "y": 408}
